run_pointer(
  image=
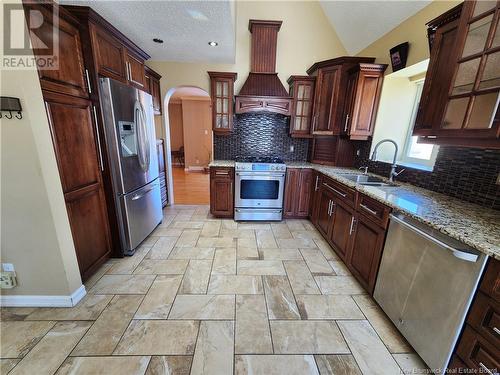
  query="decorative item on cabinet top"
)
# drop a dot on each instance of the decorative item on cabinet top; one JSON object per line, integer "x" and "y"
{"x": 222, "y": 95}
{"x": 460, "y": 98}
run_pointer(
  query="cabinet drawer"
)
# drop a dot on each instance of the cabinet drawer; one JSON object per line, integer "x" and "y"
{"x": 221, "y": 172}
{"x": 477, "y": 352}
{"x": 455, "y": 364}
{"x": 491, "y": 280}
{"x": 484, "y": 317}
{"x": 376, "y": 211}
{"x": 341, "y": 191}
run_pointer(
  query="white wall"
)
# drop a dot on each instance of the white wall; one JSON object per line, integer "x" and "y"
{"x": 395, "y": 110}
{"x": 35, "y": 232}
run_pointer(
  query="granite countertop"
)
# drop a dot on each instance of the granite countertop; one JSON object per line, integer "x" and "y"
{"x": 221, "y": 163}
{"x": 469, "y": 223}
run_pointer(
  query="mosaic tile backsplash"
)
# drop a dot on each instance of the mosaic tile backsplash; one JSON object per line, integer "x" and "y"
{"x": 260, "y": 134}
{"x": 464, "y": 173}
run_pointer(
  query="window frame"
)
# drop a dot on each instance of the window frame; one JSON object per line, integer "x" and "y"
{"x": 406, "y": 160}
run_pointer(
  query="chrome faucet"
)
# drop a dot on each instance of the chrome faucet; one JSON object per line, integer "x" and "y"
{"x": 393, "y": 166}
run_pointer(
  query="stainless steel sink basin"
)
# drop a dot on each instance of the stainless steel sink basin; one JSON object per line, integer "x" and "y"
{"x": 364, "y": 179}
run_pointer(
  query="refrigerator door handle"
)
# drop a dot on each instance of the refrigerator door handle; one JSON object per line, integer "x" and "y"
{"x": 147, "y": 138}
{"x": 141, "y": 136}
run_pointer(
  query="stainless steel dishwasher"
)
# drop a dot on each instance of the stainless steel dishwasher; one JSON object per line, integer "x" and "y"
{"x": 425, "y": 285}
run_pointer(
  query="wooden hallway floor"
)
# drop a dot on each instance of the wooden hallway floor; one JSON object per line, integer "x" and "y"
{"x": 191, "y": 187}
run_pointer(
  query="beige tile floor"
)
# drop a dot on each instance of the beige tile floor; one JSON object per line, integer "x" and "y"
{"x": 209, "y": 296}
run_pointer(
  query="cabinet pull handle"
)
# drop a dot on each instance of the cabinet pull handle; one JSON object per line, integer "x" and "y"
{"x": 496, "y": 330}
{"x": 486, "y": 369}
{"x": 316, "y": 185}
{"x": 329, "y": 207}
{"x": 352, "y": 225}
{"x": 101, "y": 163}
{"x": 373, "y": 212}
{"x": 346, "y": 122}
{"x": 221, "y": 173}
{"x": 343, "y": 195}
{"x": 88, "y": 81}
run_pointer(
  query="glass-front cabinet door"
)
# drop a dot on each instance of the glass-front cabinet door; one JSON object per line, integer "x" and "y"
{"x": 222, "y": 95}
{"x": 472, "y": 108}
{"x": 302, "y": 92}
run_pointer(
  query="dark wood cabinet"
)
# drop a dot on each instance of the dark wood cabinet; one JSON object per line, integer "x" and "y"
{"x": 335, "y": 151}
{"x": 297, "y": 193}
{"x": 222, "y": 191}
{"x": 152, "y": 86}
{"x": 75, "y": 140}
{"x": 353, "y": 224}
{"x": 135, "y": 71}
{"x": 160, "y": 150}
{"x": 330, "y": 91}
{"x": 443, "y": 31}
{"x": 478, "y": 346}
{"x": 342, "y": 228}
{"x": 324, "y": 103}
{"x": 108, "y": 53}
{"x": 302, "y": 92}
{"x": 364, "y": 84}
{"x": 78, "y": 158}
{"x": 71, "y": 76}
{"x": 464, "y": 70}
{"x": 222, "y": 95}
{"x": 366, "y": 250}
{"x": 324, "y": 214}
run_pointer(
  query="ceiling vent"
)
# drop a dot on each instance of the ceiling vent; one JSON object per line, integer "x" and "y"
{"x": 263, "y": 90}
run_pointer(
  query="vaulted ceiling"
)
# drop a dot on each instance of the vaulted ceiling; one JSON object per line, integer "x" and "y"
{"x": 360, "y": 23}
{"x": 186, "y": 27}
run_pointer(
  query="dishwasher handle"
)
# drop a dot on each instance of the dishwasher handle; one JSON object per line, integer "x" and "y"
{"x": 463, "y": 255}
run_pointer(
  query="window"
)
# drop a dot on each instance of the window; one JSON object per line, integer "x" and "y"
{"x": 417, "y": 155}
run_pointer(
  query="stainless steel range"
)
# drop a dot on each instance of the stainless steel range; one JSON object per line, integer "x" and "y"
{"x": 259, "y": 185}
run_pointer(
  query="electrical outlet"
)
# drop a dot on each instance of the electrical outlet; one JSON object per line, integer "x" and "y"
{"x": 498, "y": 179}
{"x": 8, "y": 267}
{"x": 8, "y": 280}
{"x": 292, "y": 148}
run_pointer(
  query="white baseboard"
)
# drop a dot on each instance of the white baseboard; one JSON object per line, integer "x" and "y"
{"x": 44, "y": 301}
{"x": 194, "y": 168}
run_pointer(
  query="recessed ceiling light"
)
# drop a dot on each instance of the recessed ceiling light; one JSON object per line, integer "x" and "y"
{"x": 157, "y": 40}
{"x": 213, "y": 44}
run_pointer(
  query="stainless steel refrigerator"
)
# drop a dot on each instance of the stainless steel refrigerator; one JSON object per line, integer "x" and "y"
{"x": 131, "y": 146}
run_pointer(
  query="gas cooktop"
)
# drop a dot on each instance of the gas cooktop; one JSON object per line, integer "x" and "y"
{"x": 259, "y": 159}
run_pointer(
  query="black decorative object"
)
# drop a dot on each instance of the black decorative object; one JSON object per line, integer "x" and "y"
{"x": 260, "y": 134}
{"x": 9, "y": 104}
{"x": 399, "y": 55}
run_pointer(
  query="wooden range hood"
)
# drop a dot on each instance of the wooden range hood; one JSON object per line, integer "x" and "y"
{"x": 263, "y": 90}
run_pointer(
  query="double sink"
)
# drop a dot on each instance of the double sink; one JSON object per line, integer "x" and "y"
{"x": 365, "y": 179}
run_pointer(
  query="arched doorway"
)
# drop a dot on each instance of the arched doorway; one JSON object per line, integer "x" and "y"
{"x": 187, "y": 132}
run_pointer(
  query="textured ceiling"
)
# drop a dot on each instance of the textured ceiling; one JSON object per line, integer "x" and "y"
{"x": 360, "y": 23}
{"x": 186, "y": 27}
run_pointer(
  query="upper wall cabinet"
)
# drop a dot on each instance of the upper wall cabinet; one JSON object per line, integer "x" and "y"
{"x": 222, "y": 94}
{"x": 302, "y": 92}
{"x": 135, "y": 70}
{"x": 111, "y": 53}
{"x": 468, "y": 112}
{"x": 364, "y": 84}
{"x": 152, "y": 85}
{"x": 331, "y": 84}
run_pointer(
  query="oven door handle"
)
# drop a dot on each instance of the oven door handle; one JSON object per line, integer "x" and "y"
{"x": 242, "y": 174}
